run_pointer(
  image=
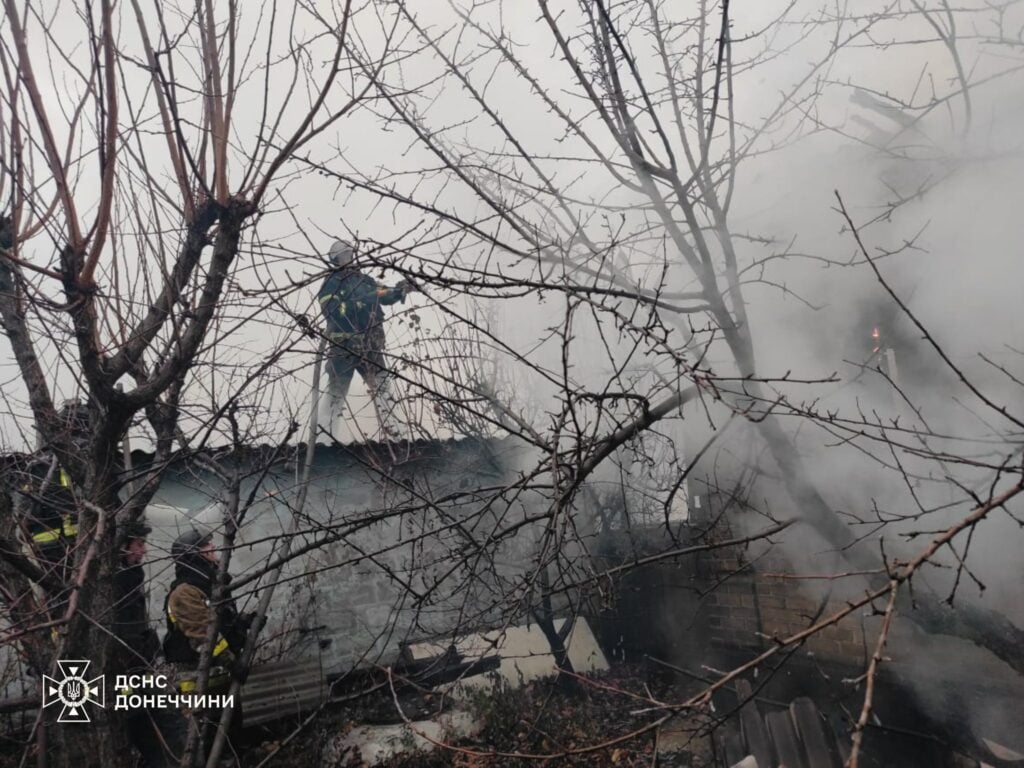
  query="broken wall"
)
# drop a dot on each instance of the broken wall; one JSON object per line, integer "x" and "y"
{"x": 713, "y": 609}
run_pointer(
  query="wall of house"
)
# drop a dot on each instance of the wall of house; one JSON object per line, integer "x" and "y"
{"x": 754, "y": 603}
{"x": 400, "y": 571}
{"x": 710, "y": 610}
{"x": 689, "y": 610}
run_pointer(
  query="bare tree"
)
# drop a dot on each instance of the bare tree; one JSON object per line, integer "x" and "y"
{"x": 612, "y": 199}
{"x": 605, "y": 227}
{"x": 140, "y": 147}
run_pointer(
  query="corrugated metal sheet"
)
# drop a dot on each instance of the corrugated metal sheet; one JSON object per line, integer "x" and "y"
{"x": 275, "y": 691}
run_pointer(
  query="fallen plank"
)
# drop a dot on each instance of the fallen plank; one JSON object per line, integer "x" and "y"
{"x": 787, "y": 746}
{"x": 755, "y": 735}
{"x": 841, "y": 731}
{"x": 730, "y": 744}
{"x": 810, "y": 727}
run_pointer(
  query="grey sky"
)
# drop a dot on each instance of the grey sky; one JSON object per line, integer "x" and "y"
{"x": 783, "y": 195}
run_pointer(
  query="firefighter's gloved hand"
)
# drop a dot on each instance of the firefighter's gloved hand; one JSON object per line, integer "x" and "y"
{"x": 235, "y": 629}
{"x": 407, "y": 287}
{"x": 240, "y": 629}
{"x": 238, "y": 671}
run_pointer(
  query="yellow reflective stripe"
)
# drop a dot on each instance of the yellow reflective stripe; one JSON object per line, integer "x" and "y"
{"x": 342, "y": 306}
{"x": 218, "y": 649}
{"x": 65, "y": 479}
{"x": 188, "y": 686}
{"x": 68, "y": 529}
{"x": 335, "y": 297}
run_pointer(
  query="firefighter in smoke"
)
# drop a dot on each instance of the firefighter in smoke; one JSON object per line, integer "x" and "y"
{"x": 189, "y": 612}
{"x": 352, "y": 305}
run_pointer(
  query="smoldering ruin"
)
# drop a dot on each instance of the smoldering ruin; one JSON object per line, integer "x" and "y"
{"x": 575, "y": 383}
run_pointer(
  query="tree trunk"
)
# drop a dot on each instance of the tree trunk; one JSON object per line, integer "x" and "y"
{"x": 104, "y": 740}
{"x": 89, "y": 633}
{"x": 544, "y": 615}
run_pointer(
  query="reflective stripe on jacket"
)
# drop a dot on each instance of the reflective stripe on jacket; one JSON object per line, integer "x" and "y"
{"x": 68, "y": 529}
{"x": 351, "y": 302}
{"x": 50, "y": 523}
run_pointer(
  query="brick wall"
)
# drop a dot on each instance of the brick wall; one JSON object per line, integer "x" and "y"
{"x": 713, "y": 610}
{"x": 752, "y": 603}
{"x": 720, "y": 602}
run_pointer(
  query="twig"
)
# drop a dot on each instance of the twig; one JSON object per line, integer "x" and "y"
{"x": 869, "y": 690}
{"x": 261, "y": 612}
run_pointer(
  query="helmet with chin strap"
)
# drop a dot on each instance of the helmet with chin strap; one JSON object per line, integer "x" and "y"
{"x": 341, "y": 253}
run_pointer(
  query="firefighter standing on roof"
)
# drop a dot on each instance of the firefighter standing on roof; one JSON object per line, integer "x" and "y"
{"x": 351, "y": 303}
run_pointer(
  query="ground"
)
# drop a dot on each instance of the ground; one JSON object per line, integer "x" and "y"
{"x": 541, "y": 718}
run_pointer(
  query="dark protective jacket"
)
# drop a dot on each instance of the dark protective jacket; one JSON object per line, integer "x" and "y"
{"x": 188, "y": 612}
{"x": 139, "y": 642}
{"x": 49, "y": 510}
{"x": 351, "y": 301}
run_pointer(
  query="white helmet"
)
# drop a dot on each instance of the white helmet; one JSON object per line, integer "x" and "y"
{"x": 341, "y": 253}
